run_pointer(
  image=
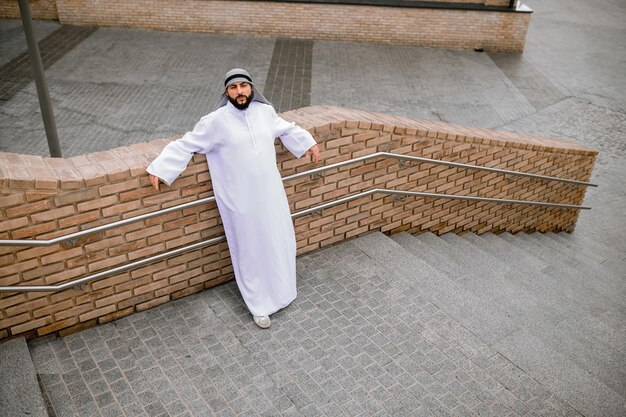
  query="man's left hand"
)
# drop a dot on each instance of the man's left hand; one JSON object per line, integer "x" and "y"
{"x": 315, "y": 151}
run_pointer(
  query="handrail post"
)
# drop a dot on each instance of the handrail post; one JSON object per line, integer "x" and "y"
{"x": 40, "y": 81}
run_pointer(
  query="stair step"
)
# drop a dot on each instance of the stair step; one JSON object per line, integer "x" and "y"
{"x": 433, "y": 241}
{"x": 614, "y": 260}
{"x": 590, "y": 250}
{"x": 542, "y": 312}
{"x": 533, "y": 309}
{"x": 553, "y": 291}
{"x": 593, "y": 343}
{"x": 575, "y": 281}
{"x": 546, "y": 363}
{"x": 592, "y": 332}
{"x": 552, "y": 252}
{"x": 474, "y": 258}
{"x": 602, "y": 225}
{"x": 455, "y": 254}
{"x": 548, "y": 240}
{"x": 20, "y": 394}
{"x": 518, "y": 259}
{"x": 429, "y": 254}
{"x": 604, "y": 281}
{"x": 499, "y": 282}
{"x": 477, "y": 313}
{"x": 505, "y": 285}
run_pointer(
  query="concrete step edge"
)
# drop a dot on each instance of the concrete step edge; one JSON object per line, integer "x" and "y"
{"x": 20, "y": 394}
{"x": 520, "y": 259}
{"x": 580, "y": 275}
{"x": 476, "y": 312}
{"x": 473, "y": 257}
{"x": 508, "y": 286}
{"x": 428, "y": 254}
{"x": 597, "y": 253}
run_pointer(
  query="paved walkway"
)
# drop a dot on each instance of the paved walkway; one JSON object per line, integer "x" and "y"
{"x": 116, "y": 86}
{"x": 202, "y": 355}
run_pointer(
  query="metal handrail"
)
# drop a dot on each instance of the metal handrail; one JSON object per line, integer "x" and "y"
{"x": 435, "y": 195}
{"x": 437, "y": 162}
{"x": 64, "y": 238}
{"x": 112, "y": 271}
{"x": 198, "y": 245}
{"x": 75, "y": 235}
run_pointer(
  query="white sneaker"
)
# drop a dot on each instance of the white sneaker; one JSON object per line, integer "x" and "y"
{"x": 262, "y": 321}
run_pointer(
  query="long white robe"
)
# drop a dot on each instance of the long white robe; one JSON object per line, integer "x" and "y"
{"x": 239, "y": 147}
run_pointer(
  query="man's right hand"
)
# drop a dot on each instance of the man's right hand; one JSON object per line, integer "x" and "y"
{"x": 154, "y": 180}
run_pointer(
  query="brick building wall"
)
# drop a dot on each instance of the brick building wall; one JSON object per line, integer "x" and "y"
{"x": 40, "y": 9}
{"x": 42, "y": 198}
{"x": 442, "y": 28}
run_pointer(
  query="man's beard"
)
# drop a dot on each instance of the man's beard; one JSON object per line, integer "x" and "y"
{"x": 244, "y": 105}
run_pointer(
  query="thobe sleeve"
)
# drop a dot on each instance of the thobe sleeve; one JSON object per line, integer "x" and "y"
{"x": 295, "y": 138}
{"x": 174, "y": 158}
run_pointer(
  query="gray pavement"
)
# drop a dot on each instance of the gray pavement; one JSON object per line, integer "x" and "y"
{"x": 358, "y": 340}
{"x": 13, "y": 40}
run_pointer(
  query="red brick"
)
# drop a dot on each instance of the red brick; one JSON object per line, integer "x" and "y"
{"x": 56, "y": 326}
{"x": 11, "y": 200}
{"x": 29, "y": 276}
{"x": 144, "y": 232}
{"x": 187, "y": 291}
{"x": 115, "y": 315}
{"x": 170, "y": 289}
{"x": 13, "y": 224}
{"x": 77, "y": 327}
{"x": 121, "y": 208}
{"x": 29, "y": 208}
{"x": 75, "y": 197}
{"x": 30, "y": 325}
{"x": 113, "y": 299}
{"x": 78, "y": 219}
{"x": 107, "y": 263}
{"x": 52, "y": 308}
{"x": 97, "y": 203}
{"x": 335, "y": 143}
{"x": 14, "y": 320}
{"x": 97, "y": 312}
{"x": 61, "y": 255}
{"x": 19, "y": 267}
{"x": 153, "y": 303}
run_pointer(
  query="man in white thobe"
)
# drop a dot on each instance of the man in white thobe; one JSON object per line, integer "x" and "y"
{"x": 238, "y": 141}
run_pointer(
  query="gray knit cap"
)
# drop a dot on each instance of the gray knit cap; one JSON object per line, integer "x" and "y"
{"x": 237, "y": 75}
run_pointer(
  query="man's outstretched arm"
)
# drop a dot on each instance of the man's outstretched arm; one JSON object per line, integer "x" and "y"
{"x": 174, "y": 158}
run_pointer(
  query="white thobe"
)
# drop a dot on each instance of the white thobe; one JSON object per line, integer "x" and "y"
{"x": 248, "y": 189}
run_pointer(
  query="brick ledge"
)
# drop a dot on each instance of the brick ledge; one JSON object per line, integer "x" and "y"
{"x": 44, "y": 173}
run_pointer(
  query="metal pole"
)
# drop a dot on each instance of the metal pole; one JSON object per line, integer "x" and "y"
{"x": 40, "y": 81}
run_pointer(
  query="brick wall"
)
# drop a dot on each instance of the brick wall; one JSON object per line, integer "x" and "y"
{"x": 459, "y": 29}
{"x": 40, "y": 9}
{"x": 44, "y": 198}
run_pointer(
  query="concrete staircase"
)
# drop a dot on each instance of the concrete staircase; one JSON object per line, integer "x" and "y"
{"x": 549, "y": 305}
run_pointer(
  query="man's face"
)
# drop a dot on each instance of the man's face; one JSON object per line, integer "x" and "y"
{"x": 239, "y": 94}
